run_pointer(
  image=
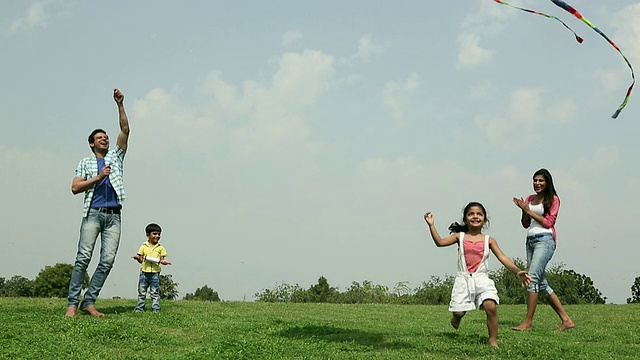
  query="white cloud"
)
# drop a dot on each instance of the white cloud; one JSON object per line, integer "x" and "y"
{"x": 563, "y": 111}
{"x": 487, "y": 20}
{"x": 524, "y": 119}
{"x": 254, "y": 119}
{"x": 397, "y": 95}
{"x": 215, "y": 95}
{"x": 470, "y": 53}
{"x": 612, "y": 82}
{"x": 291, "y": 37}
{"x": 301, "y": 77}
{"x": 525, "y": 106}
{"x": 35, "y": 16}
{"x": 490, "y": 18}
{"x": 519, "y": 125}
{"x": 482, "y": 91}
{"x": 604, "y": 159}
{"x": 368, "y": 47}
{"x": 282, "y": 134}
{"x": 627, "y": 35}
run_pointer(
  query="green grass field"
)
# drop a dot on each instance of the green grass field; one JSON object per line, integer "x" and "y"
{"x": 37, "y": 329}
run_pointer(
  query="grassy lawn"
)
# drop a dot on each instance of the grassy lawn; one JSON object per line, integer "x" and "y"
{"x": 37, "y": 329}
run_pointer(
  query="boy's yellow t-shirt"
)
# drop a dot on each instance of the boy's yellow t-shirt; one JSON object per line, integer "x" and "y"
{"x": 157, "y": 251}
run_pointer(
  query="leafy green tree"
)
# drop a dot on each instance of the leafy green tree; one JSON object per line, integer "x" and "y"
{"x": 402, "y": 294}
{"x": 282, "y": 293}
{"x": 2, "y": 283}
{"x": 435, "y": 291}
{"x": 572, "y": 287}
{"x": 353, "y": 295}
{"x": 401, "y": 289}
{"x": 18, "y": 286}
{"x": 509, "y": 289}
{"x": 635, "y": 292}
{"x": 321, "y": 292}
{"x": 204, "y": 293}
{"x": 168, "y": 288}
{"x": 53, "y": 281}
{"x": 365, "y": 293}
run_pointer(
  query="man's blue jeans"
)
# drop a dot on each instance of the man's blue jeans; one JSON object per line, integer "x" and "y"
{"x": 149, "y": 281}
{"x": 540, "y": 249}
{"x": 108, "y": 226}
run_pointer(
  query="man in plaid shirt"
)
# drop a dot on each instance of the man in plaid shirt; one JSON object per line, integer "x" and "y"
{"x": 99, "y": 177}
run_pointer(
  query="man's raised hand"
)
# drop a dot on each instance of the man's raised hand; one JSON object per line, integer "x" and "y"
{"x": 118, "y": 96}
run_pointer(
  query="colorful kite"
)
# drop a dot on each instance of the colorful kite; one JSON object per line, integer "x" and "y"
{"x": 577, "y": 14}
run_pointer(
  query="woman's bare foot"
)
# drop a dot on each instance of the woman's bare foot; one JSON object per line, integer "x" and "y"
{"x": 522, "y": 327}
{"x": 91, "y": 309}
{"x": 71, "y": 311}
{"x": 493, "y": 343}
{"x": 566, "y": 325}
{"x": 455, "y": 322}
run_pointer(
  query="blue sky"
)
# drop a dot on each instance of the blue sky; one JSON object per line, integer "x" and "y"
{"x": 284, "y": 141}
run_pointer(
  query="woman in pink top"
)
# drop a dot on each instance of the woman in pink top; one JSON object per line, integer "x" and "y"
{"x": 473, "y": 287}
{"x": 539, "y": 214}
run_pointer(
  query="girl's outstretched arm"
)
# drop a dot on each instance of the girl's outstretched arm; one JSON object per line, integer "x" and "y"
{"x": 440, "y": 242}
{"x": 523, "y": 275}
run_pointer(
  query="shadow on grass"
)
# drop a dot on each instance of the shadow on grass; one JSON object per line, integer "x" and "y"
{"x": 509, "y": 323}
{"x": 120, "y": 309}
{"x": 456, "y": 337}
{"x": 340, "y": 335}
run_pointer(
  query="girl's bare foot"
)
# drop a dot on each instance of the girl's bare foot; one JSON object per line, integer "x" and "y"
{"x": 493, "y": 344}
{"x": 455, "y": 322}
{"x": 522, "y": 327}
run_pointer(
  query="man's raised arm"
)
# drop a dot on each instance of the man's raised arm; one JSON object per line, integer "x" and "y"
{"x": 123, "y": 135}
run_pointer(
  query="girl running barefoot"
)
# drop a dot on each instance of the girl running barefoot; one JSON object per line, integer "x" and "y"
{"x": 472, "y": 287}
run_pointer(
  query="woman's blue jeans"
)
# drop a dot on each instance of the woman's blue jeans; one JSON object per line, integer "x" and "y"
{"x": 540, "y": 249}
{"x": 108, "y": 227}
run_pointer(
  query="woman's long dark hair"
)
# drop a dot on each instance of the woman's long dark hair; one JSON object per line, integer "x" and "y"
{"x": 464, "y": 227}
{"x": 549, "y": 191}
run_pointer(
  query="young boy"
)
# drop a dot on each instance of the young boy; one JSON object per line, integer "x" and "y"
{"x": 150, "y": 255}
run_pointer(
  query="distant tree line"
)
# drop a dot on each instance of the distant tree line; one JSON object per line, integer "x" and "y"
{"x": 571, "y": 287}
{"x": 53, "y": 281}
{"x": 635, "y": 292}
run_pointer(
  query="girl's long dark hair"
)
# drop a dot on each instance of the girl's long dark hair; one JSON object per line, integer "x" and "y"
{"x": 549, "y": 191}
{"x": 464, "y": 227}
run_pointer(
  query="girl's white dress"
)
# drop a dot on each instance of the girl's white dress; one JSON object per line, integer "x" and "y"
{"x": 471, "y": 289}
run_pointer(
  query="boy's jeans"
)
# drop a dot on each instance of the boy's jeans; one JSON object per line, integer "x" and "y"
{"x": 540, "y": 249}
{"x": 108, "y": 225}
{"x": 151, "y": 281}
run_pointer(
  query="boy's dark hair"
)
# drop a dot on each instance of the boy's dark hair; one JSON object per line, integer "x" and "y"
{"x": 93, "y": 135}
{"x": 152, "y": 227}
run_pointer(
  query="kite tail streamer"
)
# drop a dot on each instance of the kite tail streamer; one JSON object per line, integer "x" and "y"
{"x": 578, "y": 38}
{"x": 577, "y": 14}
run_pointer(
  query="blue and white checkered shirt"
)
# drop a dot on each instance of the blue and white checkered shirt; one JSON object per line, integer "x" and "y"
{"x": 88, "y": 168}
